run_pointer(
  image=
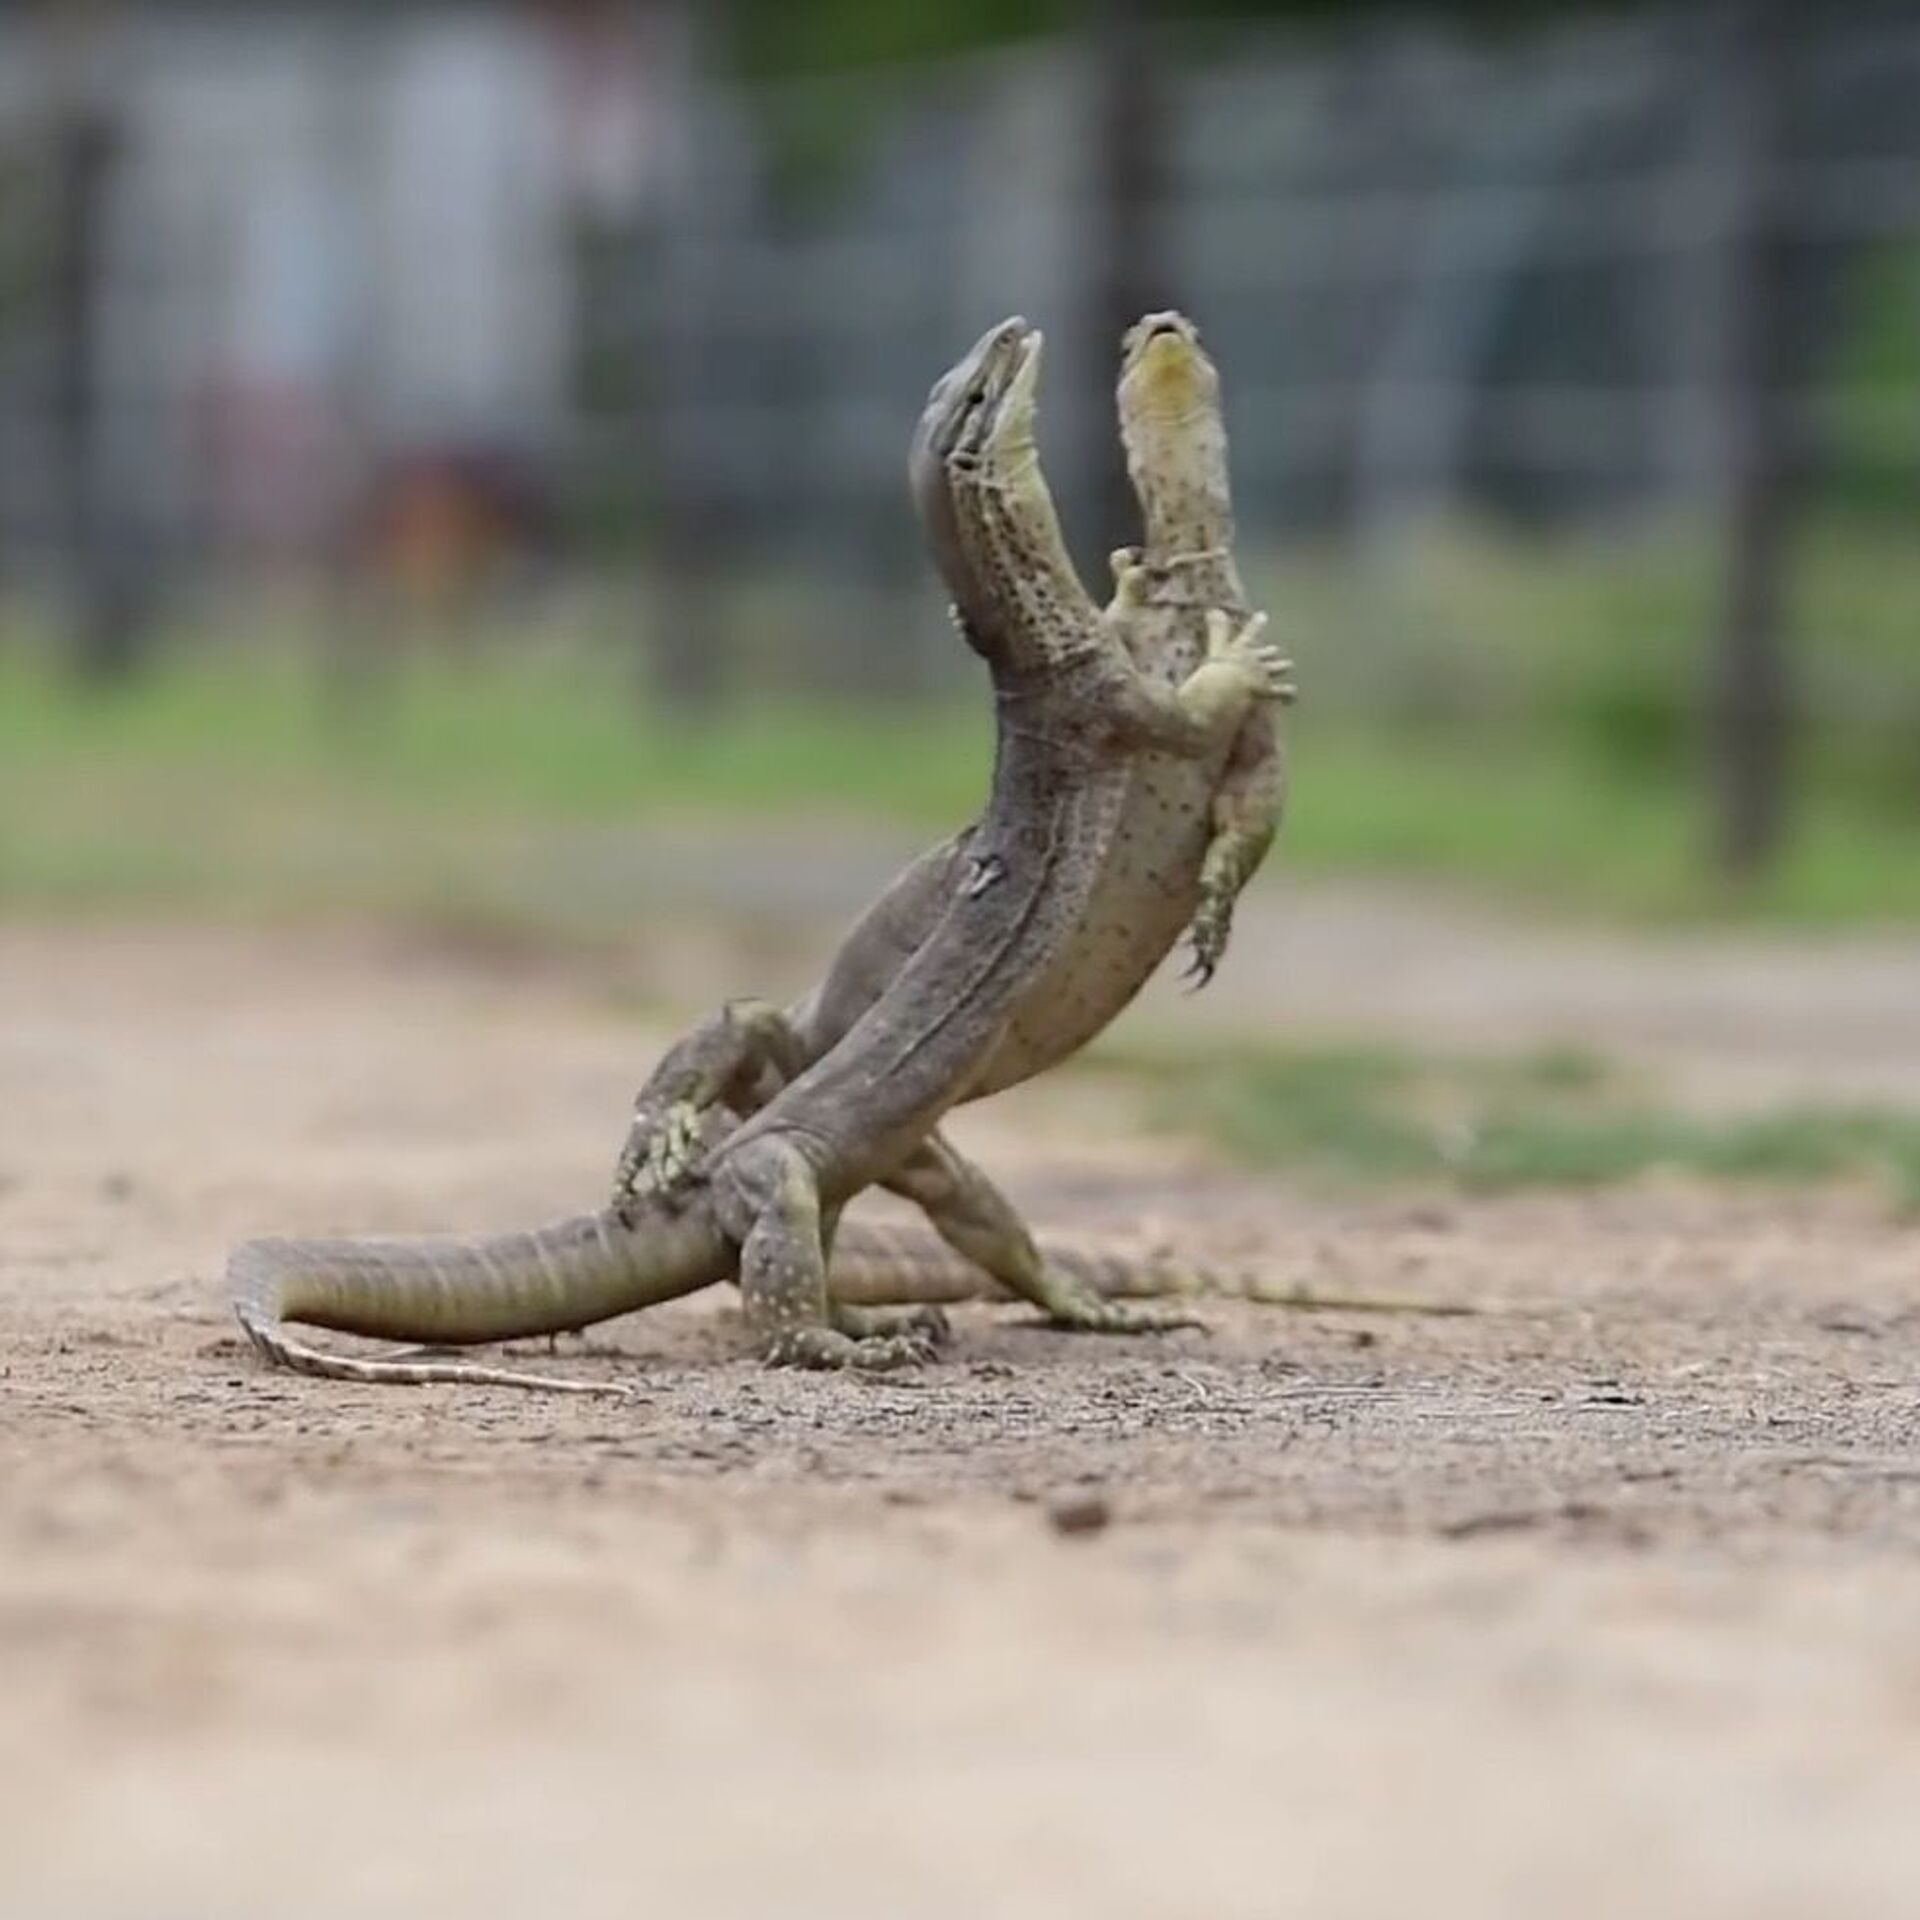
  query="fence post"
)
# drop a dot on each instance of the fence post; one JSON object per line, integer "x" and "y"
{"x": 1130, "y": 275}
{"x": 1748, "y": 700}
{"x": 687, "y": 631}
{"x": 109, "y": 600}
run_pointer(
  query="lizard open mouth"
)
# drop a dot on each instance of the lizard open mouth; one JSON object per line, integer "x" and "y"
{"x": 1165, "y": 373}
{"x": 963, "y": 398}
{"x": 1006, "y": 381}
{"x": 1151, "y": 328}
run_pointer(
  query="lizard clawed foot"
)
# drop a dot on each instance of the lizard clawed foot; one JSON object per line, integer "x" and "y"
{"x": 1212, "y": 924}
{"x": 1240, "y": 644}
{"x": 927, "y": 1324}
{"x": 1198, "y": 972}
{"x": 1078, "y": 1309}
{"x": 663, "y": 1148}
{"x": 825, "y": 1349}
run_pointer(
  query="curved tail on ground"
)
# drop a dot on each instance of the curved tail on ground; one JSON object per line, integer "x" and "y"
{"x": 575, "y": 1272}
{"x": 554, "y": 1279}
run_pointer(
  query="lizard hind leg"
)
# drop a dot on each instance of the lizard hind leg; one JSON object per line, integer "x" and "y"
{"x": 768, "y": 1189}
{"x": 1244, "y": 816}
{"x": 976, "y": 1219}
{"x": 925, "y": 1325}
{"x": 923, "y": 1320}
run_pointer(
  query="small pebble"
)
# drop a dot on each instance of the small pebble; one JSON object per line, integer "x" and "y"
{"x": 1085, "y": 1513}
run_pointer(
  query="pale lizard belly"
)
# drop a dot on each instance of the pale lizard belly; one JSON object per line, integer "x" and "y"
{"x": 1141, "y": 901}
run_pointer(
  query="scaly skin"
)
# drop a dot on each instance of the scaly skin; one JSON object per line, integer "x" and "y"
{"x": 1194, "y": 827}
{"x": 1175, "y": 437}
{"x": 575, "y": 1272}
{"x": 1073, "y": 713}
{"x": 1191, "y": 829}
{"x": 1187, "y": 834}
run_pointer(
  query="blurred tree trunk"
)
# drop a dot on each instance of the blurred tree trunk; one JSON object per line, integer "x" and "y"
{"x": 360, "y": 651}
{"x": 1749, "y": 698}
{"x": 1130, "y": 275}
{"x": 109, "y": 602}
{"x": 687, "y": 632}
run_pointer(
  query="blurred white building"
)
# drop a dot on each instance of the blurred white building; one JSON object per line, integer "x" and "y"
{"x": 328, "y": 242}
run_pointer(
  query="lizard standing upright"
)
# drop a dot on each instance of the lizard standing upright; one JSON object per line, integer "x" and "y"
{"x": 1186, "y": 834}
{"x": 1072, "y": 713}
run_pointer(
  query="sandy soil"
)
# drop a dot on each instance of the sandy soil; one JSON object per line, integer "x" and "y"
{"x": 1602, "y": 1603}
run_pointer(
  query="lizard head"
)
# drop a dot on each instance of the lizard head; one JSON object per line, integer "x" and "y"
{"x": 998, "y": 441}
{"x": 1175, "y": 439}
{"x": 962, "y": 430}
{"x": 1164, "y": 369}
{"x": 959, "y": 398}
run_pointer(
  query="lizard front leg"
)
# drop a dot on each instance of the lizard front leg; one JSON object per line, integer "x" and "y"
{"x": 735, "y": 1059}
{"x": 1241, "y": 668}
{"x": 976, "y": 1219}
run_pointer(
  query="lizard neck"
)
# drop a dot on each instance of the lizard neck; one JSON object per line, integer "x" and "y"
{"x": 1197, "y": 573}
{"x": 1042, "y": 623}
{"x": 1177, "y": 460}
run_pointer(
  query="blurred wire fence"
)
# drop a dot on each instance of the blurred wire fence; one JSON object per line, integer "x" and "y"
{"x": 435, "y": 301}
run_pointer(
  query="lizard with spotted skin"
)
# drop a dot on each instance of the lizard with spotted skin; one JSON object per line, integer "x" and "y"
{"x": 1073, "y": 713}
{"x": 1187, "y": 834}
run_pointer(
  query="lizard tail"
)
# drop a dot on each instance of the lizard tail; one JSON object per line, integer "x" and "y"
{"x": 881, "y": 1266}
{"x": 554, "y": 1279}
{"x": 280, "y": 1349}
{"x": 594, "y": 1267}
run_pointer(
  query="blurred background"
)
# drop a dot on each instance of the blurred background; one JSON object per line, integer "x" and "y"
{"x": 461, "y": 615}
{"x": 435, "y": 441}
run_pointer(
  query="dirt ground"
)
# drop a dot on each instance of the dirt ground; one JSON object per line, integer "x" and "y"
{"x": 1605, "y": 1602}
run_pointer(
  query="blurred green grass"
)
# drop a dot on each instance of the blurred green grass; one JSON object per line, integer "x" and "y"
{"x": 1556, "y": 1117}
{"x": 1514, "y": 717}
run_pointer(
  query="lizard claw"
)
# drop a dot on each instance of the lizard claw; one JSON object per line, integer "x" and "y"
{"x": 660, "y": 1157}
{"x": 825, "y": 1349}
{"x": 1212, "y": 927}
{"x": 1239, "y": 643}
{"x": 925, "y": 1328}
{"x": 1197, "y": 973}
{"x": 626, "y": 1173}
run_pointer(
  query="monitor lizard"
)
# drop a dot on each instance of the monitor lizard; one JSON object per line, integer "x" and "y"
{"x": 1073, "y": 713}
{"x": 1188, "y": 834}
